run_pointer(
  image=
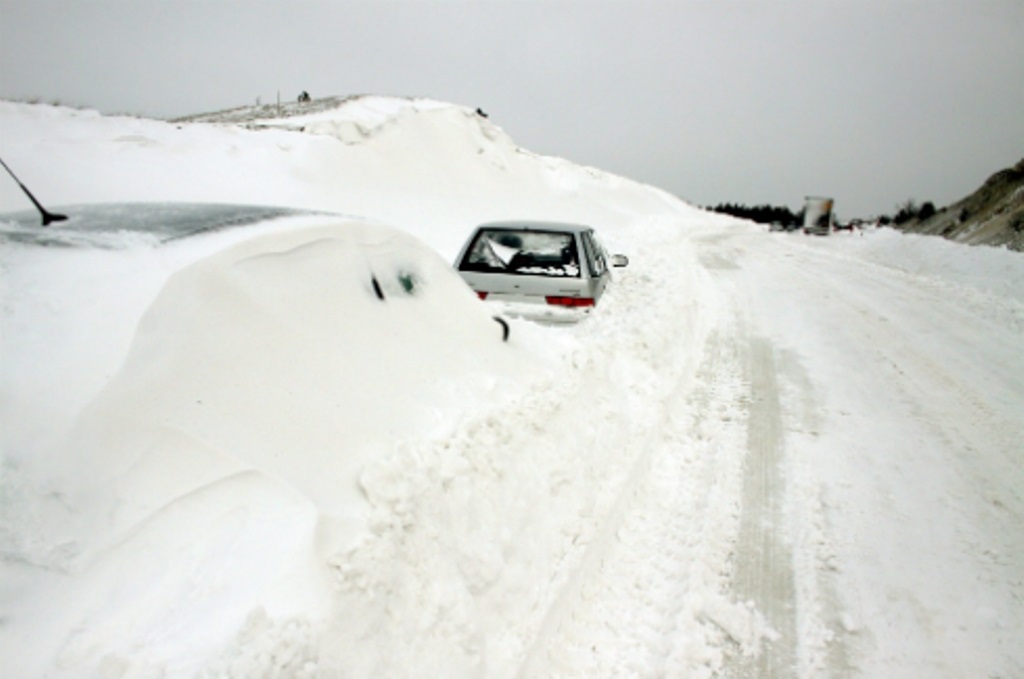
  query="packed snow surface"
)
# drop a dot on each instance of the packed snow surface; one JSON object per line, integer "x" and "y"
{"x": 253, "y": 424}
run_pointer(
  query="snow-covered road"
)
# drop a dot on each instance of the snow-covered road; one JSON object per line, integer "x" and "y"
{"x": 902, "y": 401}
{"x": 833, "y": 480}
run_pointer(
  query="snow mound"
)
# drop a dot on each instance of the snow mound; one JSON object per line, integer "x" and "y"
{"x": 261, "y": 383}
{"x": 240, "y": 453}
{"x": 303, "y": 332}
{"x": 445, "y": 168}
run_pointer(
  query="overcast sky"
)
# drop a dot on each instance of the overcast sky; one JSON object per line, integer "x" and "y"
{"x": 870, "y": 102}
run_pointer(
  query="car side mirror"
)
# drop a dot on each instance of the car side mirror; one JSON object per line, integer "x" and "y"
{"x": 620, "y": 260}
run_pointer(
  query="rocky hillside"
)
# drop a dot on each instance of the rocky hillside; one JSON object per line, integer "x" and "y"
{"x": 992, "y": 215}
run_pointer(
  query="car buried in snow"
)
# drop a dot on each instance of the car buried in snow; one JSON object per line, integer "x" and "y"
{"x": 551, "y": 272}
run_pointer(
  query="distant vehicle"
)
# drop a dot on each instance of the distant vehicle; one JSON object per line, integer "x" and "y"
{"x": 546, "y": 271}
{"x": 818, "y": 215}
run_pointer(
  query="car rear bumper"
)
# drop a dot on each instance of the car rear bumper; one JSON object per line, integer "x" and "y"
{"x": 539, "y": 312}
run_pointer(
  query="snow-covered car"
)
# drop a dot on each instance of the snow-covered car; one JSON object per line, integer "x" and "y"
{"x": 549, "y": 271}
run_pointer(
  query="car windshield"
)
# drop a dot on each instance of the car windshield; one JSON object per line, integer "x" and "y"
{"x": 537, "y": 253}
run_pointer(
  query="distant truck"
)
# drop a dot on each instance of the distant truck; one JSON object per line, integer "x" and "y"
{"x": 818, "y": 215}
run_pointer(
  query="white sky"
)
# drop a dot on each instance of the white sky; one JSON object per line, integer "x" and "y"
{"x": 754, "y": 102}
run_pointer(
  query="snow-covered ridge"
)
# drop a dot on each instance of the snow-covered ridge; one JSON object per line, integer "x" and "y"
{"x": 353, "y": 119}
{"x": 105, "y": 487}
{"x": 335, "y": 107}
{"x": 457, "y": 168}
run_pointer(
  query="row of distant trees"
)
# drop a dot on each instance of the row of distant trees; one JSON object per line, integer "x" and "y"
{"x": 911, "y": 210}
{"x": 775, "y": 214}
{"x": 763, "y": 214}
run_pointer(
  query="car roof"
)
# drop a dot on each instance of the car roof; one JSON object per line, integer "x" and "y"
{"x": 101, "y": 224}
{"x": 536, "y": 225}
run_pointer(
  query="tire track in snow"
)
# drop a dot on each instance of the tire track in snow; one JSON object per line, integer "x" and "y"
{"x": 574, "y": 639}
{"x": 654, "y": 598}
{"x": 823, "y": 636}
{"x": 651, "y": 601}
{"x": 781, "y": 564}
{"x": 763, "y": 574}
{"x": 764, "y": 563}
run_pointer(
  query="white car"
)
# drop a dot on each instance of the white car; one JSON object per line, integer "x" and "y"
{"x": 548, "y": 271}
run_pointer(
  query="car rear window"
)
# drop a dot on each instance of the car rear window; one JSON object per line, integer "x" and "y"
{"x": 534, "y": 253}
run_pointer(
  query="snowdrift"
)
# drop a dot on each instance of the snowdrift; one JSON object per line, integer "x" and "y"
{"x": 435, "y": 169}
{"x": 260, "y": 385}
{"x": 305, "y": 332}
{"x": 236, "y": 458}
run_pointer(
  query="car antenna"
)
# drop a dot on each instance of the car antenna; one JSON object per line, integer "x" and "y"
{"x": 48, "y": 217}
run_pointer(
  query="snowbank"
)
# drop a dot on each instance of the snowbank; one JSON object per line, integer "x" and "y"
{"x": 990, "y": 270}
{"x": 286, "y": 331}
{"x": 436, "y": 170}
{"x": 221, "y": 457}
{"x": 260, "y": 384}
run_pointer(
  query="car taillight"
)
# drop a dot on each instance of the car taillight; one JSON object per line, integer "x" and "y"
{"x": 570, "y": 301}
{"x": 481, "y": 295}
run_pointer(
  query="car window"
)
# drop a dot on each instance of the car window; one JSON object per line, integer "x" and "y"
{"x": 512, "y": 251}
{"x": 595, "y": 254}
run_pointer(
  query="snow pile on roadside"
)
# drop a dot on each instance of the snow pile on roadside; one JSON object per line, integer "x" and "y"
{"x": 989, "y": 279}
{"x": 986, "y": 269}
{"x": 226, "y": 454}
{"x": 435, "y": 169}
{"x": 232, "y": 442}
{"x": 275, "y": 331}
